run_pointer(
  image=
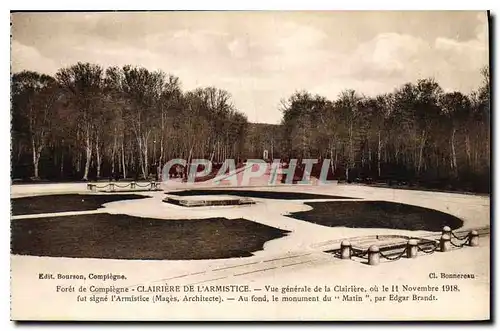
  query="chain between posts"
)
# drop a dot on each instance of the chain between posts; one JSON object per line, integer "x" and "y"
{"x": 147, "y": 185}
{"x": 428, "y": 251}
{"x": 400, "y": 255}
{"x": 122, "y": 186}
{"x": 359, "y": 253}
{"x": 89, "y": 186}
{"x": 458, "y": 238}
{"x": 462, "y": 244}
{"x": 426, "y": 246}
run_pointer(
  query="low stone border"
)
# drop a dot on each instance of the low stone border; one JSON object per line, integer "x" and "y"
{"x": 410, "y": 247}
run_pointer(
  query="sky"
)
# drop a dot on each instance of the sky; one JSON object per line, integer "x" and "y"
{"x": 263, "y": 57}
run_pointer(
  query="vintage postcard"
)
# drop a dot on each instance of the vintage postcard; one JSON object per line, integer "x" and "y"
{"x": 250, "y": 166}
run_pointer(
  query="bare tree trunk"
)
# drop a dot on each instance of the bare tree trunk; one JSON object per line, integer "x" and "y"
{"x": 36, "y": 158}
{"x": 363, "y": 159}
{"x": 188, "y": 164}
{"x": 160, "y": 163}
{"x": 332, "y": 163}
{"x": 379, "y": 152}
{"x": 162, "y": 135}
{"x": 350, "y": 154}
{"x": 119, "y": 160}
{"x": 124, "y": 167}
{"x": 98, "y": 156}
{"x": 304, "y": 143}
{"x": 141, "y": 156}
{"x": 146, "y": 163}
{"x": 36, "y": 165}
{"x": 212, "y": 155}
{"x": 130, "y": 159}
{"x": 113, "y": 154}
{"x": 467, "y": 147}
{"x": 79, "y": 155}
{"x": 421, "y": 151}
{"x": 88, "y": 144}
{"x": 453, "y": 153}
{"x": 370, "y": 157}
{"x": 78, "y": 161}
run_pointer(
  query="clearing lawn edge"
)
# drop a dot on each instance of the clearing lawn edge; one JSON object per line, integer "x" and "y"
{"x": 119, "y": 236}
{"x": 376, "y": 214}
{"x": 56, "y": 203}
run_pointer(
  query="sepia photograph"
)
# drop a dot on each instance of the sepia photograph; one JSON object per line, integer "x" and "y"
{"x": 250, "y": 166}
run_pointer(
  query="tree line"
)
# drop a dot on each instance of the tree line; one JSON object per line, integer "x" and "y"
{"x": 417, "y": 134}
{"x": 89, "y": 122}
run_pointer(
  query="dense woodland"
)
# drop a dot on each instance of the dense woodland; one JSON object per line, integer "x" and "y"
{"x": 89, "y": 122}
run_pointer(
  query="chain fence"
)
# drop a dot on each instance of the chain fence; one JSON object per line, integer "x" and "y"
{"x": 426, "y": 246}
{"x": 132, "y": 185}
{"x": 463, "y": 241}
{"x": 359, "y": 253}
{"x": 460, "y": 245}
{"x": 97, "y": 186}
{"x": 460, "y": 238}
{"x": 431, "y": 250}
{"x": 395, "y": 258}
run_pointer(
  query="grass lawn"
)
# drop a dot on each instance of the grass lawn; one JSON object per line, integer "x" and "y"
{"x": 258, "y": 194}
{"x": 65, "y": 202}
{"x": 377, "y": 214}
{"x": 127, "y": 237}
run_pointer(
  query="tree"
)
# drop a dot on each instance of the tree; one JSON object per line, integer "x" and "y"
{"x": 456, "y": 108}
{"x": 142, "y": 90}
{"x": 114, "y": 119}
{"x": 377, "y": 110}
{"x": 34, "y": 99}
{"x": 83, "y": 85}
{"x": 348, "y": 105}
